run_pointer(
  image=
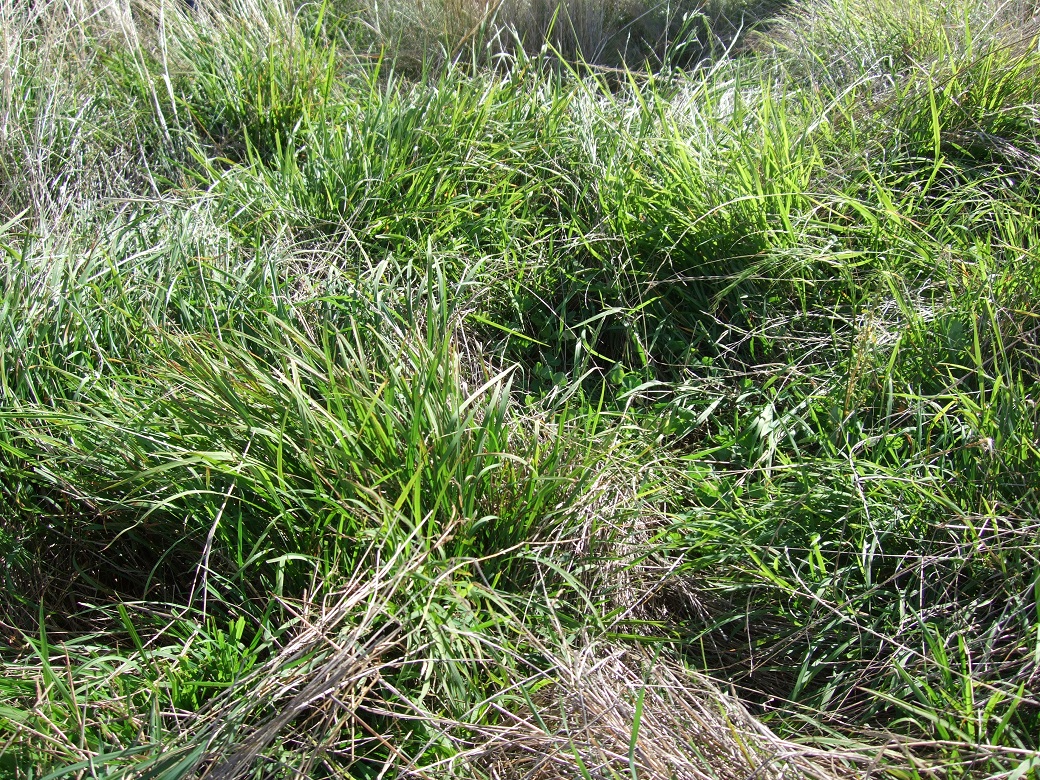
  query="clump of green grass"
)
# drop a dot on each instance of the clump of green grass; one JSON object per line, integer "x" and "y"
{"x": 891, "y": 605}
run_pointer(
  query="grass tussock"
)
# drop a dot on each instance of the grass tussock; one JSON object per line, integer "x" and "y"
{"x": 516, "y": 391}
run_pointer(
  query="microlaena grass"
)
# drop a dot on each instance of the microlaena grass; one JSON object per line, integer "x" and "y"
{"x": 367, "y": 420}
{"x": 375, "y": 444}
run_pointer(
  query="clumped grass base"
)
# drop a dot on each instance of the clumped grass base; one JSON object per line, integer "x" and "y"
{"x": 585, "y": 391}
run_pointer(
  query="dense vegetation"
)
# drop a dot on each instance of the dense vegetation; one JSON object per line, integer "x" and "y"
{"x": 588, "y": 390}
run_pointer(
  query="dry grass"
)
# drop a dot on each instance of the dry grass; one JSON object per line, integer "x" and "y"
{"x": 614, "y": 712}
{"x": 617, "y": 33}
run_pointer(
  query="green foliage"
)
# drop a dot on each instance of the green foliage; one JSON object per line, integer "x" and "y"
{"x": 374, "y": 412}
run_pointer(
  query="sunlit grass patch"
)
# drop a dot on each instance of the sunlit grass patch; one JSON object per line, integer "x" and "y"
{"x": 577, "y": 392}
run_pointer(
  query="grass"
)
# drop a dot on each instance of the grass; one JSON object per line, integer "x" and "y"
{"x": 586, "y": 391}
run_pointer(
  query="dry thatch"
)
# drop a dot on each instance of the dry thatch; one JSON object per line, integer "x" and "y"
{"x": 614, "y": 712}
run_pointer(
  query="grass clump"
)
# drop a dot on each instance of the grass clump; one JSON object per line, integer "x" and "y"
{"x": 583, "y": 391}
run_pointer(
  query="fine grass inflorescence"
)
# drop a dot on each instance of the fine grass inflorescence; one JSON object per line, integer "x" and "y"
{"x": 586, "y": 389}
